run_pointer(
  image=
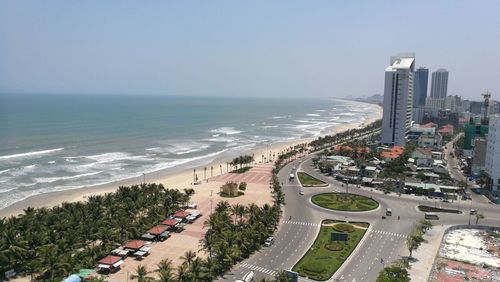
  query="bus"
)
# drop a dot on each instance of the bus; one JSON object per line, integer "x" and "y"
{"x": 431, "y": 215}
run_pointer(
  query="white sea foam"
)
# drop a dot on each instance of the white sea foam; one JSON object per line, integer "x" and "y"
{"x": 226, "y": 131}
{"x": 29, "y": 154}
{"x": 221, "y": 139}
{"x": 4, "y": 171}
{"x": 51, "y": 162}
{"x": 312, "y": 115}
{"x": 54, "y": 179}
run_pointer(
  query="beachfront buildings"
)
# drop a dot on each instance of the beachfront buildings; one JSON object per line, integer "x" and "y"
{"x": 492, "y": 163}
{"x": 398, "y": 99}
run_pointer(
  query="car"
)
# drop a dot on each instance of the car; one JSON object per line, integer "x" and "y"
{"x": 192, "y": 205}
{"x": 473, "y": 211}
{"x": 301, "y": 192}
{"x": 269, "y": 241}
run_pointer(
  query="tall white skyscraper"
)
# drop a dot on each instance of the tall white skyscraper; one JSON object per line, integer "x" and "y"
{"x": 398, "y": 99}
{"x": 492, "y": 163}
{"x": 439, "y": 84}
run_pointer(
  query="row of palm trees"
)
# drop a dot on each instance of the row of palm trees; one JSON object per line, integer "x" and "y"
{"x": 329, "y": 140}
{"x": 50, "y": 243}
{"x": 245, "y": 160}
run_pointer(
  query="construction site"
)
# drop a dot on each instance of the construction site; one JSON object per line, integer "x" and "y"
{"x": 468, "y": 255}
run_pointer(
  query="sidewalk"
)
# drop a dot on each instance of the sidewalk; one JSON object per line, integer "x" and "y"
{"x": 426, "y": 253}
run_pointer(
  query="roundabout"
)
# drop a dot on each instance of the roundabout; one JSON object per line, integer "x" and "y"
{"x": 344, "y": 202}
{"x": 307, "y": 214}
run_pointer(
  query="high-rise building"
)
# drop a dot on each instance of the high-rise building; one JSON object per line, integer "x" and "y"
{"x": 398, "y": 99}
{"x": 453, "y": 103}
{"x": 439, "y": 84}
{"x": 492, "y": 164}
{"x": 420, "y": 86}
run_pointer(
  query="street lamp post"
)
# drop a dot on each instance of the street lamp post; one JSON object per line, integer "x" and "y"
{"x": 470, "y": 210}
{"x": 143, "y": 178}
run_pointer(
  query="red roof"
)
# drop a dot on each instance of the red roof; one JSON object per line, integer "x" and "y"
{"x": 134, "y": 244}
{"x": 170, "y": 222}
{"x": 109, "y": 260}
{"x": 429, "y": 125}
{"x": 446, "y": 129}
{"x": 157, "y": 230}
{"x": 363, "y": 150}
{"x": 181, "y": 214}
{"x": 393, "y": 152}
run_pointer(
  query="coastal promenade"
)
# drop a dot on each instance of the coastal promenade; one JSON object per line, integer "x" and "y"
{"x": 206, "y": 197}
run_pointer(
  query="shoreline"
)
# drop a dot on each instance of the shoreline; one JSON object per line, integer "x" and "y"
{"x": 179, "y": 178}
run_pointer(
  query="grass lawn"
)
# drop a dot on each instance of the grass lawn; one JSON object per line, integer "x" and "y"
{"x": 308, "y": 181}
{"x": 339, "y": 201}
{"x": 325, "y": 257}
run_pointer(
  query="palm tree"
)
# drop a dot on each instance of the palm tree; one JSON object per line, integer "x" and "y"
{"x": 188, "y": 258}
{"x": 183, "y": 274}
{"x": 141, "y": 274}
{"x": 195, "y": 269}
{"x": 165, "y": 270}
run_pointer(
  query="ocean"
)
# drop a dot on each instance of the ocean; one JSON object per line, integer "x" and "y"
{"x": 60, "y": 142}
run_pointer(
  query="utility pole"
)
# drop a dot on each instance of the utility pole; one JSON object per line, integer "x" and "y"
{"x": 144, "y": 178}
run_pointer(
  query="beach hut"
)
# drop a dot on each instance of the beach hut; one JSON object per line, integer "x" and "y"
{"x": 72, "y": 278}
{"x": 181, "y": 215}
{"x": 86, "y": 273}
{"x": 109, "y": 264}
{"x": 157, "y": 231}
{"x": 134, "y": 245}
{"x": 170, "y": 222}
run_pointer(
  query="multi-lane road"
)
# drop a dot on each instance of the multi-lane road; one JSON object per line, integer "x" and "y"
{"x": 385, "y": 238}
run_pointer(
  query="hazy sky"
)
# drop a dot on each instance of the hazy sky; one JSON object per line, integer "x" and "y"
{"x": 250, "y": 48}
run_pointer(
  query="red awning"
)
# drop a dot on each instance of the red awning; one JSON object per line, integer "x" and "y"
{"x": 157, "y": 230}
{"x": 134, "y": 244}
{"x": 170, "y": 222}
{"x": 181, "y": 214}
{"x": 109, "y": 260}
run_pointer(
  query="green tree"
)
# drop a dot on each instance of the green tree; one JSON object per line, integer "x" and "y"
{"x": 393, "y": 273}
{"x": 414, "y": 240}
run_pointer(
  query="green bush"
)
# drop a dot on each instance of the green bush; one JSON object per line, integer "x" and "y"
{"x": 342, "y": 227}
{"x": 334, "y": 247}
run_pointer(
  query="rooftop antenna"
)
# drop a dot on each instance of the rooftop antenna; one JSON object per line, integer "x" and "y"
{"x": 486, "y": 97}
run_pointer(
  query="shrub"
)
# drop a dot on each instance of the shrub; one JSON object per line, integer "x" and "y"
{"x": 342, "y": 227}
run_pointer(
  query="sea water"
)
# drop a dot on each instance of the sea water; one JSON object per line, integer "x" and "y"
{"x": 60, "y": 142}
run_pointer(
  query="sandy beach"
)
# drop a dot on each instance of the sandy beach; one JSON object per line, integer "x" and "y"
{"x": 170, "y": 178}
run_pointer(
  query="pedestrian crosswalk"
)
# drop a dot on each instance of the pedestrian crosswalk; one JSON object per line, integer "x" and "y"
{"x": 259, "y": 269}
{"x": 382, "y": 232}
{"x": 301, "y": 223}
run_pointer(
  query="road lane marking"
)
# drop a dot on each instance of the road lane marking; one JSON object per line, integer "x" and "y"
{"x": 301, "y": 223}
{"x": 259, "y": 269}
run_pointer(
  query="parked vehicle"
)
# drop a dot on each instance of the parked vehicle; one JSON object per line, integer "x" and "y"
{"x": 247, "y": 277}
{"x": 292, "y": 176}
{"x": 301, "y": 192}
{"x": 431, "y": 215}
{"x": 473, "y": 211}
{"x": 269, "y": 241}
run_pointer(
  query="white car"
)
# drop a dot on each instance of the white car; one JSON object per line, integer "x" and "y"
{"x": 301, "y": 192}
{"x": 269, "y": 241}
{"x": 193, "y": 205}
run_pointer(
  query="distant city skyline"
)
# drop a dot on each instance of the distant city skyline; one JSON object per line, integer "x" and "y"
{"x": 259, "y": 48}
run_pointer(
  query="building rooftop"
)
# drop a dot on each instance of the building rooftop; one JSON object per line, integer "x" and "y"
{"x": 401, "y": 63}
